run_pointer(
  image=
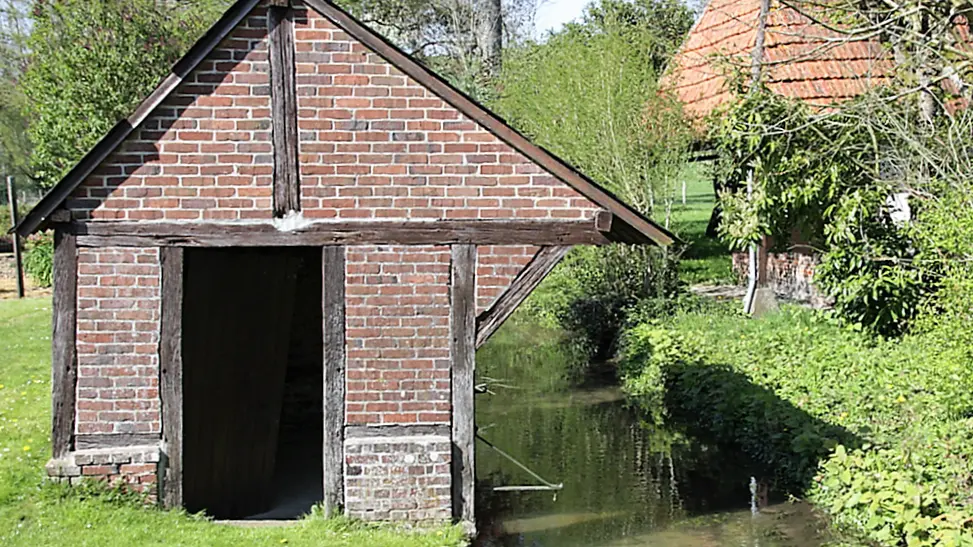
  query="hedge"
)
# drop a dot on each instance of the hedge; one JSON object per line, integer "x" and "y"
{"x": 878, "y": 433}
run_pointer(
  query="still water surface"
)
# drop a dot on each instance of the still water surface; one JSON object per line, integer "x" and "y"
{"x": 624, "y": 484}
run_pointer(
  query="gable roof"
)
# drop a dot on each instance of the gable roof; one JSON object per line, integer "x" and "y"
{"x": 802, "y": 59}
{"x": 640, "y": 228}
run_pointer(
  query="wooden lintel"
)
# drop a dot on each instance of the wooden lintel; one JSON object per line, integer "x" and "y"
{"x": 64, "y": 355}
{"x": 171, "y": 373}
{"x": 476, "y": 232}
{"x": 283, "y": 100}
{"x": 115, "y": 440}
{"x": 529, "y": 278}
{"x": 333, "y": 313}
{"x": 462, "y": 326}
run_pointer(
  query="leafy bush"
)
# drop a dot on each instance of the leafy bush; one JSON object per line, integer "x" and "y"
{"x": 39, "y": 258}
{"x": 607, "y": 285}
{"x": 790, "y": 388}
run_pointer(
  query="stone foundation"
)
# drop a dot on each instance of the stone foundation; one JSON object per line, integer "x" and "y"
{"x": 135, "y": 466}
{"x": 398, "y": 478}
{"x": 790, "y": 275}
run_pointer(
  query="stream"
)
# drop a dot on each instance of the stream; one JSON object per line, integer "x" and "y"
{"x": 624, "y": 484}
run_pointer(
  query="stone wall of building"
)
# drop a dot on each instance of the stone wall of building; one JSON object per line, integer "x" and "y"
{"x": 135, "y": 466}
{"x": 790, "y": 275}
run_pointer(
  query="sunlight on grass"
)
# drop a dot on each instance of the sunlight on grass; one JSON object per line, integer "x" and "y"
{"x": 33, "y": 513}
{"x": 707, "y": 260}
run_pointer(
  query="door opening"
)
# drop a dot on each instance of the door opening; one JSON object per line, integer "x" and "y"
{"x": 252, "y": 382}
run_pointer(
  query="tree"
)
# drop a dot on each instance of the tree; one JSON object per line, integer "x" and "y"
{"x": 91, "y": 62}
{"x": 14, "y": 145}
{"x": 590, "y": 94}
{"x": 460, "y": 39}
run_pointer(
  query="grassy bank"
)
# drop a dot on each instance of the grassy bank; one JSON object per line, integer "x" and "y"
{"x": 877, "y": 433}
{"x": 705, "y": 260}
{"x": 33, "y": 513}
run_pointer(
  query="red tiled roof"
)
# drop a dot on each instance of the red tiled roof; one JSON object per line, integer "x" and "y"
{"x": 802, "y": 59}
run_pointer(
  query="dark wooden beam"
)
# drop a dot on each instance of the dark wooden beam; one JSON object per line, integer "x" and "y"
{"x": 604, "y": 221}
{"x": 283, "y": 101}
{"x": 333, "y": 310}
{"x": 479, "y": 232}
{"x": 171, "y": 373}
{"x": 116, "y": 440}
{"x": 463, "y": 349}
{"x": 529, "y": 278}
{"x": 64, "y": 357}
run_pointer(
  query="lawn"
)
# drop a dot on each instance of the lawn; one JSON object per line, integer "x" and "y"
{"x": 706, "y": 260}
{"x": 34, "y": 513}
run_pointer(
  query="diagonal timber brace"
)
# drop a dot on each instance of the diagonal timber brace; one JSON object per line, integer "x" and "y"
{"x": 540, "y": 266}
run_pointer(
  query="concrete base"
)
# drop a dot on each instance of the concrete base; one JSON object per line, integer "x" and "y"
{"x": 764, "y": 302}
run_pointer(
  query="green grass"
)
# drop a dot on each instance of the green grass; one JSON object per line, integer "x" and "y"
{"x": 34, "y": 513}
{"x": 706, "y": 260}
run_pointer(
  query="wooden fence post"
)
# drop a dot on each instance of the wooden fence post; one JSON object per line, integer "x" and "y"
{"x": 12, "y": 199}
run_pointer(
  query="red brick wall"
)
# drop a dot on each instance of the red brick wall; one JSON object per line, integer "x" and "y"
{"x": 117, "y": 340}
{"x": 205, "y": 153}
{"x": 375, "y": 145}
{"x": 496, "y": 268}
{"x": 397, "y": 314}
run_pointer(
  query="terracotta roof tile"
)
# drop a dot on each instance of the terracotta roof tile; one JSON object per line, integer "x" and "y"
{"x": 803, "y": 59}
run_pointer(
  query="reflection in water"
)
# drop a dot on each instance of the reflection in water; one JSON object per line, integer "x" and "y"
{"x": 624, "y": 484}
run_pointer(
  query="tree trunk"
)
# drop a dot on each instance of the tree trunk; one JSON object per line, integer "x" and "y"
{"x": 490, "y": 35}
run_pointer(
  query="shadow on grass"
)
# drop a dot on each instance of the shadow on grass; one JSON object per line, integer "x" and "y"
{"x": 779, "y": 444}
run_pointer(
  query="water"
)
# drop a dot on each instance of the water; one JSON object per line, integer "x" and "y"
{"x": 624, "y": 484}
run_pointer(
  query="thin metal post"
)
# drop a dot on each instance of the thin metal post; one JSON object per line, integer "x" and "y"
{"x": 12, "y": 199}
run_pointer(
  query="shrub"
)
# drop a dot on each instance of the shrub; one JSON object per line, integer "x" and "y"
{"x": 876, "y": 432}
{"x": 39, "y": 258}
{"x": 609, "y": 284}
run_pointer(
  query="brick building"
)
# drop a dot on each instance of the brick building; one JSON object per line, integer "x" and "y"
{"x": 803, "y": 56}
{"x": 285, "y": 260}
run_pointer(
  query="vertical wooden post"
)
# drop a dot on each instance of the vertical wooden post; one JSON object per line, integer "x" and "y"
{"x": 333, "y": 315}
{"x": 463, "y": 349}
{"x": 283, "y": 102}
{"x": 64, "y": 370}
{"x": 171, "y": 372}
{"x": 12, "y": 199}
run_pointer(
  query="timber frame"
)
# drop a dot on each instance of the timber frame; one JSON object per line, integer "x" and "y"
{"x": 631, "y": 226}
{"x": 615, "y": 222}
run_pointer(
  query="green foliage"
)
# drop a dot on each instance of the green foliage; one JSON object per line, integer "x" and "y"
{"x": 39, "y": 258}
{"x": 816, "y": 180}
{"x": 91, "y": 62}
{"x": 589, "y": 93}
{"x": 34, "y": 512}
{"x": 611, "y": 283}
{"x": 789, "y": 388}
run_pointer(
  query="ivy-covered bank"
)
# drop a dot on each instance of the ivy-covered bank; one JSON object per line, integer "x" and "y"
{"x": 878, "y": 434}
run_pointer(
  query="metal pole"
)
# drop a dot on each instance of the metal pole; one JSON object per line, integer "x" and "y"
{"x": 753, "y": 266}
{"x": 12, "y": 199}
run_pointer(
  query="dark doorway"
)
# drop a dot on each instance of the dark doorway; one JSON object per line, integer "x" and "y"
{"x": 252, "y": 382}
